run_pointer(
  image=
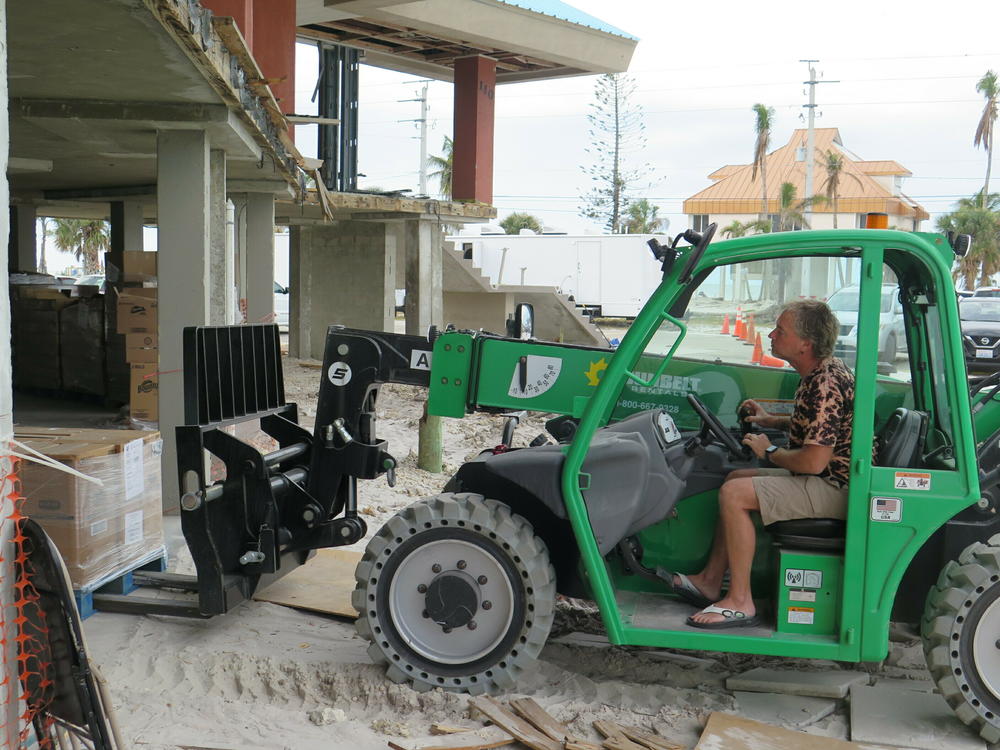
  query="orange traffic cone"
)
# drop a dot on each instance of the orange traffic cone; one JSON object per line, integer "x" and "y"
{"x": 758, "y": 351}
{"x": 738, "y": 328}
{"x": 748, "y": 332}
{"x": 766, "y": 360}
{"x": 725, "y": 325}
{"x": 752, "y": 333}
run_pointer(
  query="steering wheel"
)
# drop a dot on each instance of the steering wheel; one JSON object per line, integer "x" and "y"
{"x": 713, "y": 425}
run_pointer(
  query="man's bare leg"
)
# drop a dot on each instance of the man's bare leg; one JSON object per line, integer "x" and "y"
{"x": 737, "y": 498}
{"x": 709, "y": 580}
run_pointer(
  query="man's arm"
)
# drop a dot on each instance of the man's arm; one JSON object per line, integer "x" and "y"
{"x": 809, "y": 459}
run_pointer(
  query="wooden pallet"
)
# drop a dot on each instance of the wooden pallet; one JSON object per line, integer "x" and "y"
{"x": 120, "y": 583}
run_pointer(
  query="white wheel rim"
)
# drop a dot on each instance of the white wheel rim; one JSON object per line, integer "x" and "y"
{"x": 985, "y": 652}
{"x": 423, "y": 635}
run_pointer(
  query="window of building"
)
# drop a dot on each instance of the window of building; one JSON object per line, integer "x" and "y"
{"x": 699, "y": 222}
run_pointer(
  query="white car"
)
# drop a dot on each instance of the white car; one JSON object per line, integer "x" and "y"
{"x": 281, "y": 306}
{"x": 891, "y": 331}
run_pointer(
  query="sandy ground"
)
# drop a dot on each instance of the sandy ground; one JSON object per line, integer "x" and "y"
{"x": 265, "y": 676}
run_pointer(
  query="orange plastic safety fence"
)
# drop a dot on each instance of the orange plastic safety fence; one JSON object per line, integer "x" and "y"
{"x": 34, "y": 670}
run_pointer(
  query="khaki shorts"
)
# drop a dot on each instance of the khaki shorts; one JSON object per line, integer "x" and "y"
{"x": 783, "y": 496}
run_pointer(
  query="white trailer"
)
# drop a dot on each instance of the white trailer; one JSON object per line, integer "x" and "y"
{"x": 609, "y": 275}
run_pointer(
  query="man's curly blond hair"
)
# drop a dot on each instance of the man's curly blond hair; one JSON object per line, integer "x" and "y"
{"x": 816, "y": 323}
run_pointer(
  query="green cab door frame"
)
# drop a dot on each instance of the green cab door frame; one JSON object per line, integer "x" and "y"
{"x": 876, "y": 554}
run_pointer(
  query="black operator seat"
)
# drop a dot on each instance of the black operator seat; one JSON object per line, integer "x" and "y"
{"x": 899, "y": 444}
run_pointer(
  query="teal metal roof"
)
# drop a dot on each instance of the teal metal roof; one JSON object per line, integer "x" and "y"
{"x": 565, "y": 12}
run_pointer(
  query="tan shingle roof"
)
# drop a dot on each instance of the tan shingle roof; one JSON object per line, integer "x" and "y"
{"x": 736, "y": 191}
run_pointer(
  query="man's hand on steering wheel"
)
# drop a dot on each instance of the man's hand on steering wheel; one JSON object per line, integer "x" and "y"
{"x": 757, "y": 442}
{"x": 754, "y": 413}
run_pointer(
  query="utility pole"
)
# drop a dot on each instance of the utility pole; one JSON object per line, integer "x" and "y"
{"x": 810, "y": 133}
{"x": 422, "y": 120}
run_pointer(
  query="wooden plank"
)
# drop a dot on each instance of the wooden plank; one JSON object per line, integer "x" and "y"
{"x": 324, "y": 584}
{"x": 615, "y": 738}
{"x": 449, "y": 729}
{"x": 727, "y": 732}
{"x": 476, "y": 739}
{"x": 575, "y": 744}
{"x": 527, "y": 709}
{"x": 520, "y": 729}
{"x": 649, "y": 739}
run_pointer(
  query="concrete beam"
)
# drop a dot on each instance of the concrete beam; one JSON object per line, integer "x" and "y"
{"x": 96, "y": 109}
{"x": 220, "y": 281}
{"x": 184, "y": 215}
{"x": 276, "y": 187}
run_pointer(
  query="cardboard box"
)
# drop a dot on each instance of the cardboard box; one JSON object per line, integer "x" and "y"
{"x": 142, "y": 348}
{"x": 144, "y": 392}
{"x": 137, "y": 267}
{"x": 102, "y": 531}
{"x": 137, "y": 311}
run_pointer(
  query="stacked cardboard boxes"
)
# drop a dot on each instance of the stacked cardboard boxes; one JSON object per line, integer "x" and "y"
{"x": 102, "y": 531}
{"x": 137, "y": 320}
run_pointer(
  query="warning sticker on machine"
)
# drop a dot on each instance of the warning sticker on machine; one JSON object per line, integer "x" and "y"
{"x": 909, "y": 480}
{"x": 802, "y": 596}
{"x": 801, "y": 615}
{"x": 887, "y": 509}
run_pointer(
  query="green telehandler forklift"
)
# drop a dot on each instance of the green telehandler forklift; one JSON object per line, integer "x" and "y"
{"x": 458, "y": 591}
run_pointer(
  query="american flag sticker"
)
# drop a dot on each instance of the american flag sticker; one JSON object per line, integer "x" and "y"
{"x": 887, "y": 509}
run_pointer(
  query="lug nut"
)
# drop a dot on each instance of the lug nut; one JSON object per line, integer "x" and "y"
{"x": 435, "y": 568}
{"x": 481, "y": 580}
{"x": 421, "y": 589}
{"x": 462, "y": 565}
{"x": 472, "y": 625}
{"x": 487, "y": 604}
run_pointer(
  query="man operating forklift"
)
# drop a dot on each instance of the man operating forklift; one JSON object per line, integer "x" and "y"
{"x": 807, "y": 478}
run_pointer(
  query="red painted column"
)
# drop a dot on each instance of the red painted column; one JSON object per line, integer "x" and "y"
{"x": 472, "y": 166}
{"x": 240, "y": 11}
{"x": 273, "y": 46}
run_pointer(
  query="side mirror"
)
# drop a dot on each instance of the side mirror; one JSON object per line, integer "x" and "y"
{"x": 521, "y": 325}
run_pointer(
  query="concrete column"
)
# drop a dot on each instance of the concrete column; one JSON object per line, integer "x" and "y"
{"x": 472, "y": 170}
{"x": 342, "y": 272}
{"x": 218, "y": 258}
{"x": 10, "y": 688}
{"x": 21, "y": 251}
{"x": 259, "y": 257}
{"x": 126, "y": 234}
{"x": 423, "y": 243}
{"x": 184, "y": 211}
{"x": 273, "y": 45}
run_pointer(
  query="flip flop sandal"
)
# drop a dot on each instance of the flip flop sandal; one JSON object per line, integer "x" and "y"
{"x": 686, "y": 590}
{"x": 733, "y": 619}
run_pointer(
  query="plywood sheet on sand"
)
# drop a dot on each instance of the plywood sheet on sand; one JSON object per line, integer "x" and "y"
{"x": 324, "y": 584}
{"x": 728, "y": 732}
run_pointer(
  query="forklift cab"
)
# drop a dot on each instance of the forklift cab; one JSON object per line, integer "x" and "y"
{"x": 828, "y": 587}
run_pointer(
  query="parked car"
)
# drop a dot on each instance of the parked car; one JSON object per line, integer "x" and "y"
{"x": 980, "y": 317}
{"x": 987, "y": 291}
{"x": 891, "y": 333}
{"x": 281, "y": 306}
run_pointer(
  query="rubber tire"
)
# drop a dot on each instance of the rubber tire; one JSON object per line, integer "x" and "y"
{"x": 889, "y": 355}
{"x": 504, "y": 532}
{"x": 953, "y": 610}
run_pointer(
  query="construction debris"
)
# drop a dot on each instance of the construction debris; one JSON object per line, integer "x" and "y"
{"x": 526, "y": 722}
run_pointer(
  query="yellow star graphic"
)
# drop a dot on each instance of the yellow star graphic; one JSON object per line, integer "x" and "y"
{"x": 594, "y": 373}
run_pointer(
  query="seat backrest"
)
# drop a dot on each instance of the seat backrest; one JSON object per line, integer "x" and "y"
{"x": 901, "y": 440}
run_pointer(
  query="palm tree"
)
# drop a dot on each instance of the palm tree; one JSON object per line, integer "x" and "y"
{"x": 642, "y": 217}
{"x": 765, "y": 120}
{"x": 515, "y": 222}
{"x": 44, "y": 222}
{"x": 791, "y": 210}
{"x": 979, "y": 265}
{"x": 741, "y": 229}
{"x": 85, "y": 239}
{"x": 989, "y": 87}
{"x": 445, "y": 166}
{"x": 834, "y": 163}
